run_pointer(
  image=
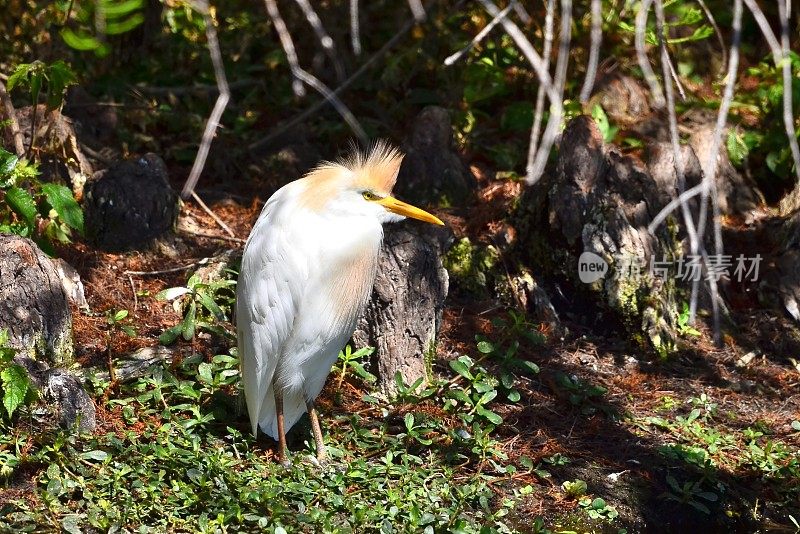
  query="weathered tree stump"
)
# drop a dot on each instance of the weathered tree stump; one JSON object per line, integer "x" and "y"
{"x": 57, "y": 146}
{"x": 33, "y": 305}
{"x": 129, "y": 204}
{"x": 65, "y": 399}
{"x": 432, "y": 171}
{"x": 404, "y": 313}
{"x": 596, "y": 207}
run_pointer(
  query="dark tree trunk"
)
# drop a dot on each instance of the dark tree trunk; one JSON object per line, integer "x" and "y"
{"x": 129, "y": 204}
{"x": 404, "y": 313}
{"x": 33, "y": 305}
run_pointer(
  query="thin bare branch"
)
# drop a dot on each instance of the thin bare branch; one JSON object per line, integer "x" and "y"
{"x": 674, "y": 204}
{"x": 287, "y": 44}
{"x": 694, "y": 243}
{"x": 325, "y": 40}
{"x": 417, "y": 10}
{"x": 344, "y": 85}
{"x": 11, "y": 116}
{"x": 594, "y": 50}
{"x": 449, "y": 60}
{"x": 710, "y": 165}
{"x": 766, "y": 30}
{"x": 786, "y": 64}
{"x": 523, "y": 15}
{"x": 527, "y": 50}
{"x": 539, "y": 108}
{"x": 556, "y": 109}
{"x": 330, "y": 96}
{"x": 219, "y": 106}
{"x": 675, "y": 78}
{"x": 641, "y": 54}
{"x": 355, "y": 37}
{"x": 718, "y": 33}
{"x": 553, "y": 90}
{"x": 779, "y": 52}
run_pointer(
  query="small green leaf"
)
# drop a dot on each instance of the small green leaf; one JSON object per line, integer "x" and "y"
{"x": 19, "y": 76}
{"x": 189, "y": 322}
{"x": 96, "y": 455}
{"x": 169, "y": 336}
{"x": 209, "y": 304}
{"x": 488, "y": 397}
{"x": 15, "y": 386}
{"x": 70, "y": 524}
{"x": 59, "y": 77}
{"x": 22, "y": 203}
{"x": 737, "y": 149}
{"x": 485, "y": 347}
{"x": 172, "y": 293}
{"x": 530, "y": 367}
{"x": 489, "y": 415}
{"x": 461, "y": 368}
{"x": 79, "y": 42}
{"x": 7, "y": 161}
{"x": 409, "y": 421}
{"x": 120, "y": 315}
{"x": 460, "y": 395}
{"x": 129, "y": 330}
{"x": 61, "y": 199}
{"x": 204, "y": 372}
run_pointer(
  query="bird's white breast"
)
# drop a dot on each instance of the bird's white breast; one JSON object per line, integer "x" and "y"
{"x": 340, "y": 255}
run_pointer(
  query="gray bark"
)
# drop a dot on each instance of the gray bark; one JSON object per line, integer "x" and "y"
{"x": 33, "y": 304}
{"x": 404, "y": 313}
{"x": 64, "y": 396}
{"x": 129, "y": 204}
{"x": 432, "y": 171}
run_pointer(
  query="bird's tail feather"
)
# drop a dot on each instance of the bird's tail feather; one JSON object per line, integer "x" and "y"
{"x": 294, "y": 406}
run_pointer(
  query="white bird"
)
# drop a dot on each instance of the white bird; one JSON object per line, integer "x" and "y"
{"x": 306, "y": 274}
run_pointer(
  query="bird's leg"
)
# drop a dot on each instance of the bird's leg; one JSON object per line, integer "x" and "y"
{"x": 317, "y": 431}
{"x": 282, "y": 448}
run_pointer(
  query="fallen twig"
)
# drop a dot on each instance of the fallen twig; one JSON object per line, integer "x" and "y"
{"x": 211, "y": 236}
{"x": 213, "y": 215}
{"x": 162, "y": 271}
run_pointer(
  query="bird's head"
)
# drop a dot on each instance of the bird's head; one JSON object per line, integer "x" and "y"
{"x": 361, "y": 186}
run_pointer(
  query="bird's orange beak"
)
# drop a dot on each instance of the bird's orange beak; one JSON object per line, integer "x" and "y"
{"x": 407, "y": 210}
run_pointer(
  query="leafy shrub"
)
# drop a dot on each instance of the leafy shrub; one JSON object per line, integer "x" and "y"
{"x": 15, "y": 386}
{"x": 44, "y": 212}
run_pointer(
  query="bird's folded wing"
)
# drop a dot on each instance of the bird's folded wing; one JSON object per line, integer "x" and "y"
{"x": 269, "y": 292}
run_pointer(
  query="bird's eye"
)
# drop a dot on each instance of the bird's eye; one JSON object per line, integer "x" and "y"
{"x": 369, "y": 195}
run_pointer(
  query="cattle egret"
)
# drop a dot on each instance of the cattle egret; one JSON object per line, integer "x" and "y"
{"x": 307, "y": 271}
